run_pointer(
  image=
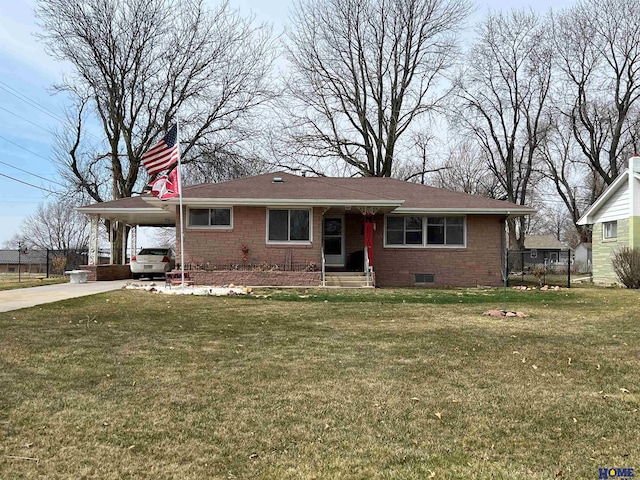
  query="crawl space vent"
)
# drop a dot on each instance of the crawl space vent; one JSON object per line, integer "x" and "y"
{"x": 425, "y": 278}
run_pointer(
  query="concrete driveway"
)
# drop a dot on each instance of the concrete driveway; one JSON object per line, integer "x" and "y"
{"x": 32, "y": 296}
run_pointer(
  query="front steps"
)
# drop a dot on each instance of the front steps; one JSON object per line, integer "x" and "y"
{"x": 347, "y": 280}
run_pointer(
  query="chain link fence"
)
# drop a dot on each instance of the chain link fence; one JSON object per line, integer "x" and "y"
{"x": 539, "y": 268}
{"x": 46, "y": 263}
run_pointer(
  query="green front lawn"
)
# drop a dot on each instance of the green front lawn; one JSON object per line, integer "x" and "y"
{"x": 317, "y": 384}
{"x": 11, "y": 282}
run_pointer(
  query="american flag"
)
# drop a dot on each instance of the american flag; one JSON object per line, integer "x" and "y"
{"x": 163, "y": 154}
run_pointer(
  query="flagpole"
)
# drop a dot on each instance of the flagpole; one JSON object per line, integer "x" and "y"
{"x": 180, "y": 196}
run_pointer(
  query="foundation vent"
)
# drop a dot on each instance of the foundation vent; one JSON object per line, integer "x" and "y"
{"x": 425, "y": 279}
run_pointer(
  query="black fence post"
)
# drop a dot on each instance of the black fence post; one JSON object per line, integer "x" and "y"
{"x": 48, "y": 263}
{"x": 569, "y": 270}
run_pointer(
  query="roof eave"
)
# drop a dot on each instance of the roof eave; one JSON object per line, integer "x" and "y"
{"x": 95, "y": 210}
{"x": 587, "y": 217}
{"x": 261, "y": 202}
{"x": 510, "y": 212}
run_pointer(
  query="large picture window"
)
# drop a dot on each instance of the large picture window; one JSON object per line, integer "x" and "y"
{"x": 289, "y": 225}
{"x": 210, "y": 217}
{"x": 425, "y": 231}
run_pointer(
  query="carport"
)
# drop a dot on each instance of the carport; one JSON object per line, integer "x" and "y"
{"x": 122, "y": 215}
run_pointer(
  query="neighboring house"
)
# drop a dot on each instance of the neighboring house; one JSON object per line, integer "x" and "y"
{"x": 615, "y": 217}
{"x": 282, "y": 229}
{"x": 582, "y": 257}
{"x": 544, "y": 250}
{"x": 32, "y": 262}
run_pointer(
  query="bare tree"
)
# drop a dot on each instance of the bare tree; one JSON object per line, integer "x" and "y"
{"x": 365, "y": 72}
{"x": 56, "y": 226}
{"x": 502, "y": 100}
{"x": 597, "y": 45}
{"x": 576, "y": 185}
{"x": 552, "y": 218}
{"x": 221, "y": 165}
{"x": 139, "y": 66}
{"x": 465, "y": 171}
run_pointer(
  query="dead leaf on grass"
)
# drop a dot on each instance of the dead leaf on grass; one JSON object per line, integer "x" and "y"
{"x": 624, "y": 390}
{"x": 415, "y": 399}
{"x": 439, "y": 415}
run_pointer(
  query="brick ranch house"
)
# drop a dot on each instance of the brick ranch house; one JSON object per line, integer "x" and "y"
{"x": 283, "y": 229}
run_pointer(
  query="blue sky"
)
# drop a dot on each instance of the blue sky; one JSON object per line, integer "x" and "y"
{"x": 29, "y": 113}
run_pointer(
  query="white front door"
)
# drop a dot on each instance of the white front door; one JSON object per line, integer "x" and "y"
{"x": 333, "y": 238}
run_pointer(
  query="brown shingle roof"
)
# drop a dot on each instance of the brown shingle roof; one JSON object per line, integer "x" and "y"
{"x": 128, "y": 202}
{"x": 407, "y": 196}
{"x": 542, "y": 242}
{"x": 396, "y": 195}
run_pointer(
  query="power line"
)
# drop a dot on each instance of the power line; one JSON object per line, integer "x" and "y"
{"x": 26, "y": 120}
{"x": 25, "y": 149}
{"x": 27, "y": 183}
{"x": 12, "y": 91}
{"x": 35, "y": 175}
{"x": 20, "y": 96}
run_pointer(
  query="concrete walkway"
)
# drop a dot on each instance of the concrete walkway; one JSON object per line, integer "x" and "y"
{"x": 32, "y": 296}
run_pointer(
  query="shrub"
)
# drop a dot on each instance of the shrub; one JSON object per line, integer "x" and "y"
{"x": 626, "y": 264}
{"x": 58, "y": 265}
{"x": 539, "y": 272}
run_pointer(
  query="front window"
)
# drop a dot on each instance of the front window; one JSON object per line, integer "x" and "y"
{"x": 425, "y": 231}
{"x": 210, "y": 217}
{"x": 289, "y": 225}
{"x": 610, "y": 230}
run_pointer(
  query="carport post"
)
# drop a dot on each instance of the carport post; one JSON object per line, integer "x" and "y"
{"x": 134, "y": 241}
{"x": 124, "y": 245}
{"x": 93, "y": 240}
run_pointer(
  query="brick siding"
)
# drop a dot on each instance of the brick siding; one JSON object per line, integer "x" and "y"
{"x": 477, "y": 264}
{"x": 274, "y": 279}
{"x": 107, "y": 272}
{"x": 223, "y": 246}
